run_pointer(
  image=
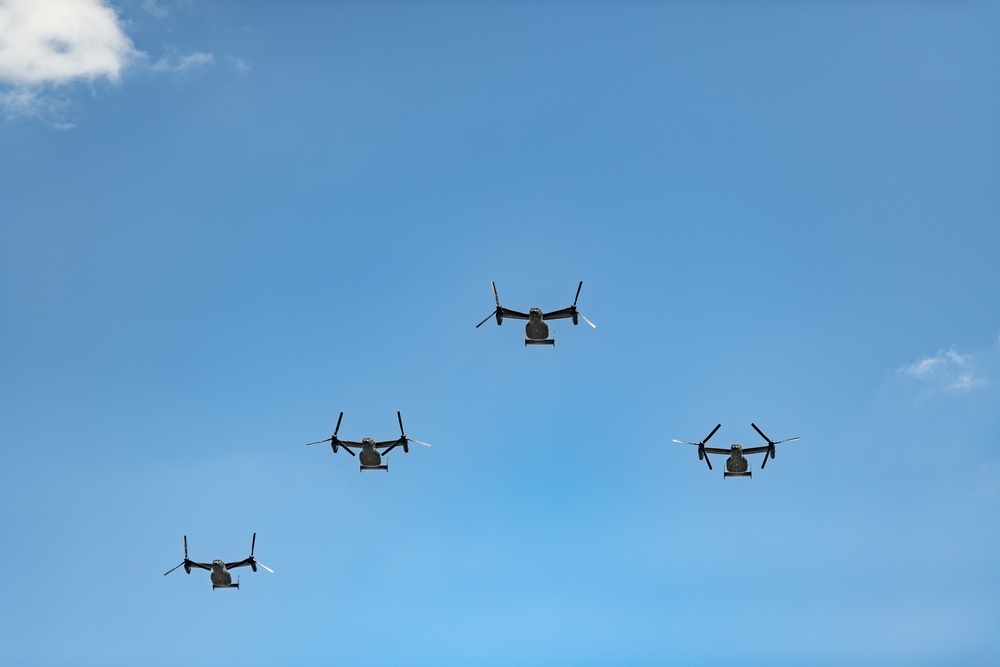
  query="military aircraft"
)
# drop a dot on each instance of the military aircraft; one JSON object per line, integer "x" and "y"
{"x": 220, "y": 569}
{"x": 736, "y": 464}
{"x": 536, "y": 330}
{"x": 370, "y": 458}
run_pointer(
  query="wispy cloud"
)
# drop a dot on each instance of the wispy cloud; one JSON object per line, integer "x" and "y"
{"x": 948, "y": 370}
{"x": 965, "y": 382}
{"x": 931, "y": 365}
{"x": 241, "y": 65}
{"x": 183, "y": 63}
{"x": 30, "y": 102}
{"x": 155, "y": 9}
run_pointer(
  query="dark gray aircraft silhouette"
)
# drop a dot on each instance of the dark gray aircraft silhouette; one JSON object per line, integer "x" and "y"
{"x": 536, "y": 330}
{"x": 370, "y": 457}
{"x": 220, "y": 569}
{"x": 736, "y": 464}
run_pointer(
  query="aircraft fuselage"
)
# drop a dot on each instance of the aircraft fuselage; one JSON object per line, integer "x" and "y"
{"x": 536, "y": 328}
{"x": 369, "y": 457}
{"x": 736, "y": 464}
{"x": 221, "y": 577}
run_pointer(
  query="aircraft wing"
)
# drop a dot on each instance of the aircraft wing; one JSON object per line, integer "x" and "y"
{"x": 348, "y": 443}
{"x": 719, "y": 450}
{"x": 240, "y": 563}
{"x": 513, "y": 314}
{"x": 388, "y": 443}
{"x": 204, "y": 566}
{"x": 560, "y": 314}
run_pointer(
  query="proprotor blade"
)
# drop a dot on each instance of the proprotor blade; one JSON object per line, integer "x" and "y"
{"x": 707, "y": 461}
{"x": 399, "y": 416}
{"x": 487, "y": 317}
{"x": 318, "y": 442}
{"x": 253, "y": 543}
{"x": 425, "y": 444}
{"x": 264, "y": 566}
{"x": 577, "y": 297}
{"x": 173, "y": 568}
{"x": 183, "y": 561}
{"x": 761, "y": 433}
{"x": 786, "y": 440}
{"x": 586, "y": 320}
{"x": 685, "y": 442}
{"x": 337, "y": 429}
{"x": 709, "y": 437}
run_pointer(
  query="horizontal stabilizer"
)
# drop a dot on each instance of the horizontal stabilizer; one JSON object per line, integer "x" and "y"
{"x": 547, "y": 341}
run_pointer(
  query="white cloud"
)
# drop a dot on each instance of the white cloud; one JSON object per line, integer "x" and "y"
{"x": 948, "y": 370}
{"x": 45, "y": 44}
{"x": 59, "y": 41}
{"x": 48, "y": 45}
{"x": 196, "y": 59}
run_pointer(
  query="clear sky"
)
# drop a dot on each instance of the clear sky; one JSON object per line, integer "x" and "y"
{"x": 222, "y": 223}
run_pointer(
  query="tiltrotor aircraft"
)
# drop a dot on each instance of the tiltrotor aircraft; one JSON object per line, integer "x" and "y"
{"x": 736, "y": 464}
{"x": 536, "y": 330}
{"x": 370, "y": 457}
{"x": 220, "y": 569}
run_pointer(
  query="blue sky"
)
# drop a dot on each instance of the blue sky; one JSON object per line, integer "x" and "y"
{"x": 222, "y": 223}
